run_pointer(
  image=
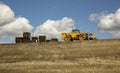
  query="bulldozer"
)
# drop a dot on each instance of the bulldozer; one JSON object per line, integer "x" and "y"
{"x": 75, "y": 34}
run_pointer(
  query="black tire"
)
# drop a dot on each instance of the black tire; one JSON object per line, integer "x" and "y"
{"x": 67, "y": 38}
{"x": 90, "y": 38}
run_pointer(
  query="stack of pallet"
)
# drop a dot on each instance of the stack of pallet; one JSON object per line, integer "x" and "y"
{"x": 48, "y": 40}
{"x": 19, "y": 39}
{"x": 35, "y": 39}
{"x": 54, "y": 40}
{"x": 42, "y": 38}
{"x": 26, "y": 37}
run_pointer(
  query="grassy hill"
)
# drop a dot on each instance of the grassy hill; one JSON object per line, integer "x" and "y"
{"x": 100, "y": 56}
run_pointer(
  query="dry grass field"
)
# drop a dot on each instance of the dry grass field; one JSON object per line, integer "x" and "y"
{"x": 100, "y": 56}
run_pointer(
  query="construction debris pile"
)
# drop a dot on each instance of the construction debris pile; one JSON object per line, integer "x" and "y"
{"x": 27, "y": 39}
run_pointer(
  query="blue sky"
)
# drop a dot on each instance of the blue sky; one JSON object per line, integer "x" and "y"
{"x": 38, "y": 11}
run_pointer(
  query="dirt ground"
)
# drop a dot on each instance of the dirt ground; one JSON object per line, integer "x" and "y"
{"x": 99, "y": 56}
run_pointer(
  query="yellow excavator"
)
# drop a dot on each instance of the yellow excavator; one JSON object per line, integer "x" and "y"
{"x": 75, "y": 34}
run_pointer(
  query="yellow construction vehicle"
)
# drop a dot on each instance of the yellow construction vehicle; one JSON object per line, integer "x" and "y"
{"x": 77, "y": 35}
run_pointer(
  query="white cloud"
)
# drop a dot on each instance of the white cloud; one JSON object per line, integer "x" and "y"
{"x": 16, "y": 27}
{"x": 6, "y": 14}
{"x": 53, "y": 29}
{"x": 93, "y": 17}
{"x": 11, "y": 26}
{"x": 108, "y": 22}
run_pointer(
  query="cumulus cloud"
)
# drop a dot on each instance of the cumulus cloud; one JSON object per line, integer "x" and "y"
{"x": 11, "y": 26}
{"x": 16, "y": 27}
{"x": 53, "y": 28}
{"x": 108, "y": 22}
{"x": 6, "y": 14}
{"x": 93, "y": 17}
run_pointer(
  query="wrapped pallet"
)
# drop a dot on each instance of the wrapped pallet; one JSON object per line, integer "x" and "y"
{"x": 19, "y": 39}
{"x": 26, "y": 37}
{"x": 54, "y": 40}
{"x": 26, "y": 40}
{"x": 42, "y": 38}
{"x": 35, "y": 39}
{"x": 48, "y": 40}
